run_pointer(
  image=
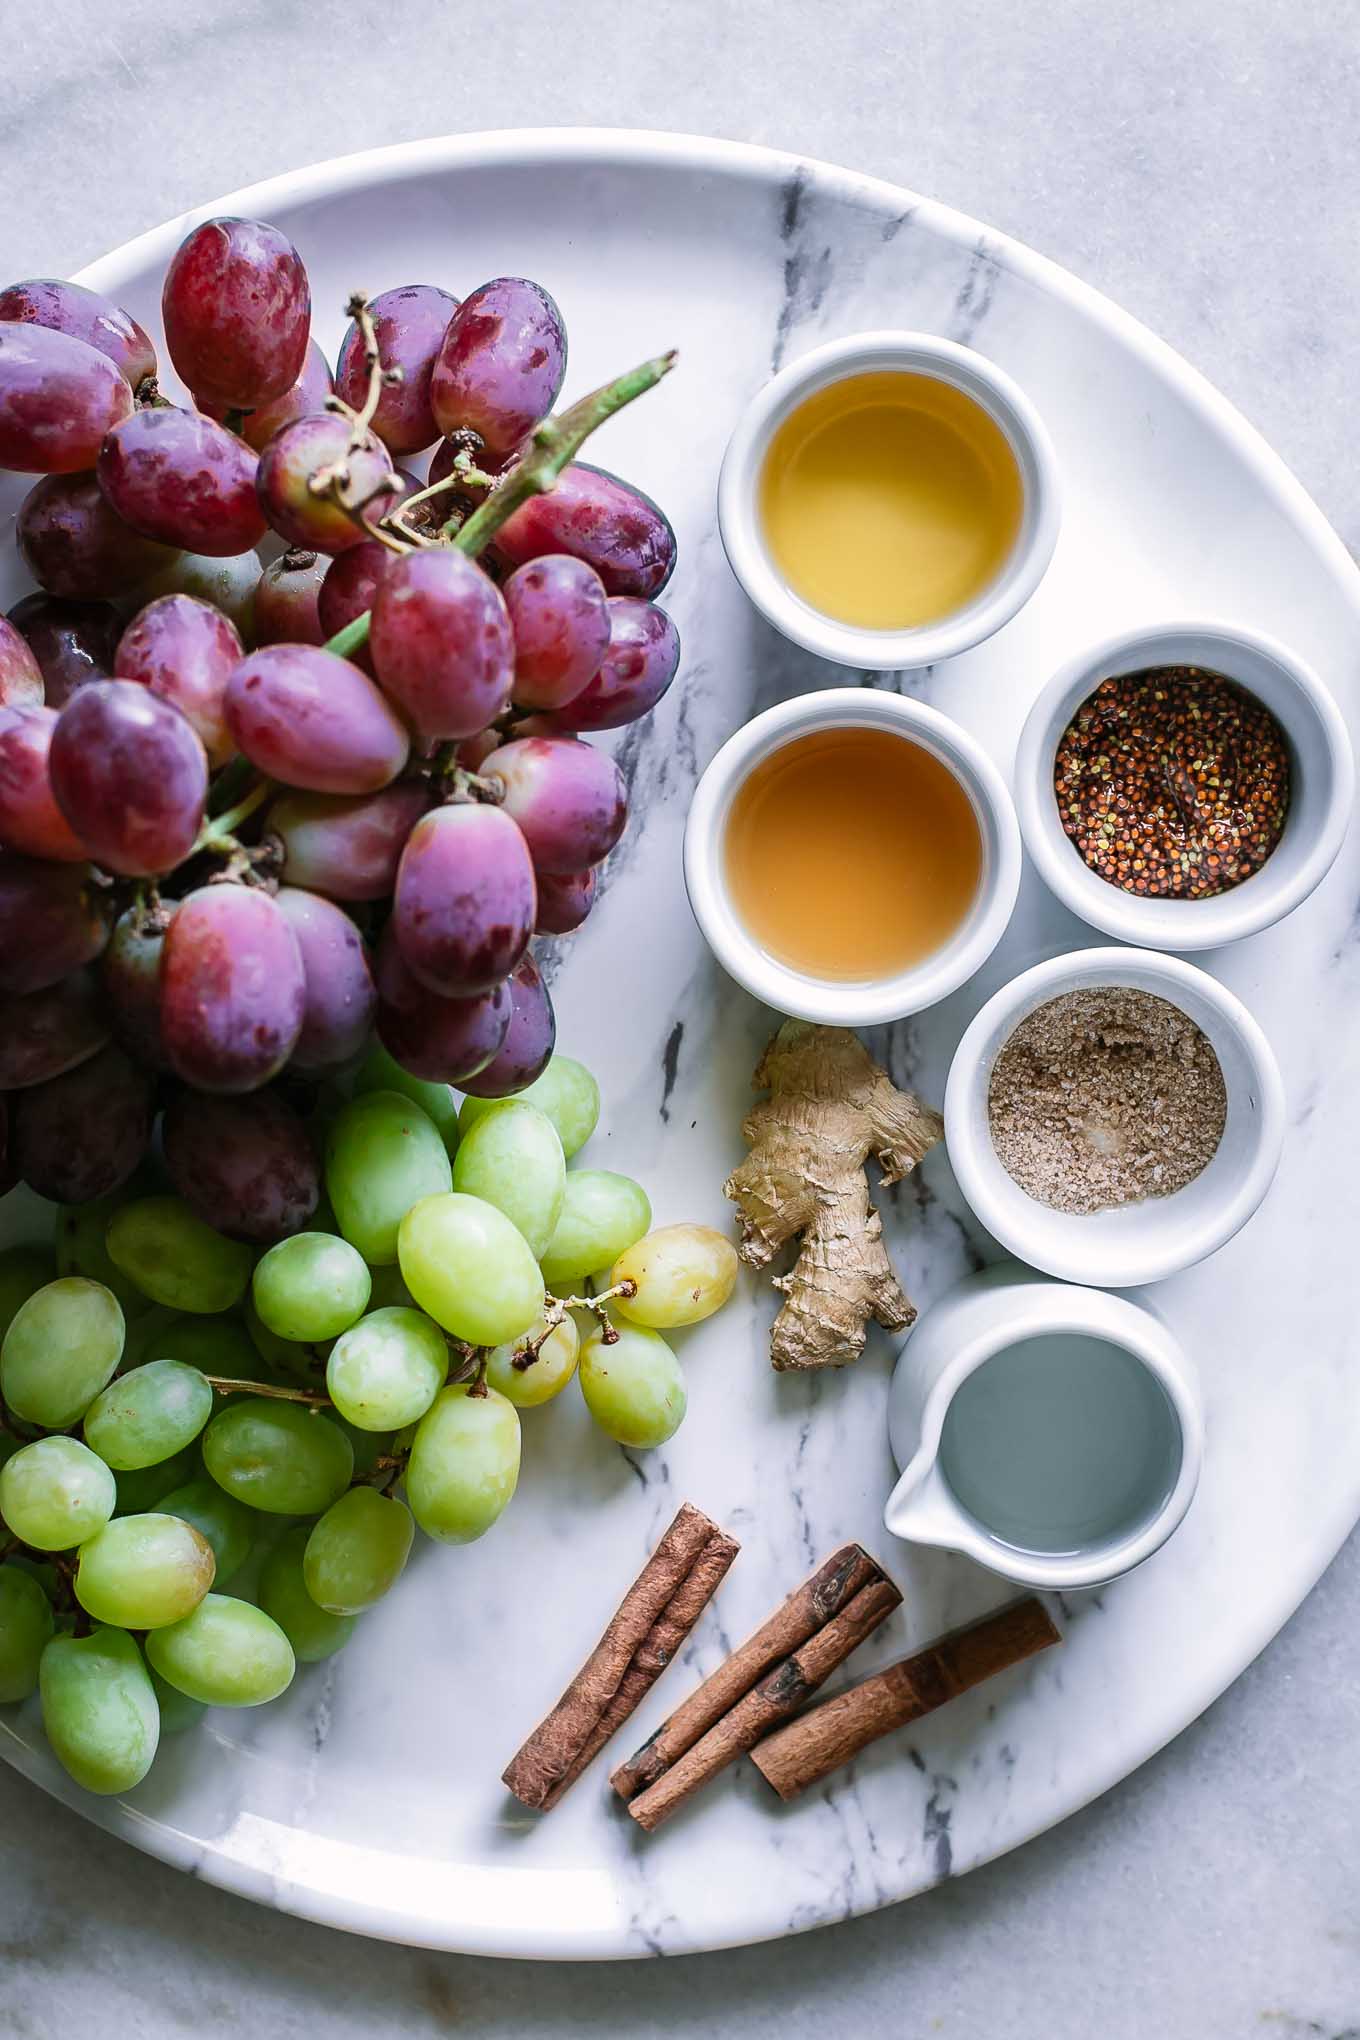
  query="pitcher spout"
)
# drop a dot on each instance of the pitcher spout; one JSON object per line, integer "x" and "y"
{"x": 921, "y": 1508}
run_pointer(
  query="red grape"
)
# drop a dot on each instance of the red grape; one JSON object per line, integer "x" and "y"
{"x": 346, "y": 849}
{"x": 465, "y": 899}
{"x": 569, "y": 800}
{"x": 441, "y": 643}
{"x": 559, "y": 616}
{"x": 81, "y": 1135}
{"x": 306, "y": 397}
{"x": 74, "y": 542}
{"x": 529, "y": 1040}
{"x": 340, "y": 995}
{"x": 58, "y": 398}
{"x": 314, "y": 721}
{"x": 30, "y": 819}
{"x": 21, "y": 680}
{"x": 185, "y": 651}
{"x": 130, "y": 776}
{"x": 52, "y": 919}
{"x": 72, "y": 642}
{"x": 246, "y": 1166}
{"x": 599, "y": 519}
{"x": 410, "y": 324}
{"x": 640, "y": 664}
{"x": 130, "y": 973}
{"x": 302, "y": 450}
{"x": 232, "y": 989}
{"x": 501, "y": 363}
{"x": 351, "y": 583}
{"x": 442, "y": 1041}
{"x": 44, "y": 1034}
{"x": 237, "y": 311}
{"x": 83, "y": 315}
{"x": 287, "y": 601}
{"x": 564, "y": 900}
{"x": 177, "y": 476}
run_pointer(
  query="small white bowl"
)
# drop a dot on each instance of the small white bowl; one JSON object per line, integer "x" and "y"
{"x": 1158, "y": 1236}
{"x": 863, "y": 354}
{"x": 852, "y": 1002}
{"x": 1322, "y": 788}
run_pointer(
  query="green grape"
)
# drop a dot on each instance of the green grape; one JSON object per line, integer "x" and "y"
{"x": 313, "y": 1633}
{"x": 368, "y": 1446}
{"x": 513, "y": 1159}
{"x": 633, "y": 1388}
{"x": 312, "y": 1286}
{"x": 175, "y": 1259}
{"x": 464, "y": 1464}
{"x": 470, "y": 1269}
{"x": 381, "y": 1072}
{"x": 281, "y": 1457}
{"x": 140, "y": 1572}
{"x": 382, "y": 1155}
{"x": 545, "y": 1376}
{"x": 23, "y": 1271}
{"x": 140, "y": 1488}
{"x": 389, "y": 1290}
{"x": 566, "y": 1093}
{"x": 282, "y": 1359}
{"x": 82, "y": 1249}
{"x": 178, "y": 1711}
{"x": 61, "y": 1348}
{"x": 681, "y": 1273}
{"x": 25, "y": 1625}
{"x": 226, "y": 1654}
{"x": 357, "y": 1552}
{"x": 228, "y": 1525}
{"x": 387, "y": 1370}
{"x": 147, "y": 1415}
{"x": 215, "y": 1345}
{"x": 601, "y": 1215}
{"x": 55, "y": 1493}
{"x": 99, "y": 1709}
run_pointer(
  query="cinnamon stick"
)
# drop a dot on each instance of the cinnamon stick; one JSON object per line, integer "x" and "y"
{"x": 654, "y": 1618}
{"x": 830, "y": 1734}
{"x": 772, "y": 1699}
{"x": 809, "y": 1608}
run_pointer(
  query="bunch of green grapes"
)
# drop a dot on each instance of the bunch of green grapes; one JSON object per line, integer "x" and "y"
{"x": 175, "y": 1401}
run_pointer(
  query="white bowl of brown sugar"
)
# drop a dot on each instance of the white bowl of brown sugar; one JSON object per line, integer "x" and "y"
{"x": 1113, "y": 1116}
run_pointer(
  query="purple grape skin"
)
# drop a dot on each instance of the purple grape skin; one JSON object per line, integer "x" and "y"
{"x": 246, "y": 1166}
{"x": 340, "y": 992}
{"x": 559, "y": 615}
{"x": 21, "y": 680}
{"x": 501, "y": 363}
{"x": 597, "y": 518}
{"x": 130, "y": 974}
{"x": 53, "y": 918}
{"x": 178, "y": 477}
{"x": 185, "y": 651}
{"x": 30, "y": 820}
{"x": 74, "y": 543}
{"x": 58, "y": 398}
{"x": 529, "y": 1040}
{"x": 564, "y": 900}
{"x": 83, "y": 315}
{"x": 71, "y": 642}
{"x": 346, "y": 849}
{"x": 441, "y": 644}
{"x": 287, "y": 600}
{"x": 465, "y": 899}
{"x": 410, "y": 323}
{"x": 569, "y": 800}
{"x": 442, "y": 1041}
{"x": 131, "y": 777}
{"x": 640, "y": 664}
{"x": 352, "y": 580}
{"x": 44, "y": 1034}
{"x": 301, "y": 450}
{"x": 237, "y": 312}
{"x": 81, "y": 1135}
{"x": 314, "y": 721}
{"x": 306, "y": 397}
{"x": 232, "y": 989}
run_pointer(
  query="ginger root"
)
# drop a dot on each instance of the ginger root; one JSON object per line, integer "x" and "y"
{"x": 830, "y": 1107}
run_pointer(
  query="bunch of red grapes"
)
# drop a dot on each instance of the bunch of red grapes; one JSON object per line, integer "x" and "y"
{"x": 222, "y": 865}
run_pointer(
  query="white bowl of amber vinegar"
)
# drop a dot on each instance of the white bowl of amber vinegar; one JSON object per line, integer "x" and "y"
{"x": 889, "y": 499}
{"x": 829, "y": 887}
{"x": 1146, "y": 1240}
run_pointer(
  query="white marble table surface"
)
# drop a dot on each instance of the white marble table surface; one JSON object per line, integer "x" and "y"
{"x": 1195, "y": 160}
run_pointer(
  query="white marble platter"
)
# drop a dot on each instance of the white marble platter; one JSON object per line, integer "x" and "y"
{"x": 369, "y": 1796}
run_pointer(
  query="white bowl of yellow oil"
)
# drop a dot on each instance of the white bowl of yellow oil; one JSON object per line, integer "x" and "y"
{"x": 889, "y": 500}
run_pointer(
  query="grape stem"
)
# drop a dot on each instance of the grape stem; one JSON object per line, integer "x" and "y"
{"x": 554, "y": 445}
{"x": 217, "y": 833}
{"x": 555, "y": 1309}
{"x": 302, "y": 1395}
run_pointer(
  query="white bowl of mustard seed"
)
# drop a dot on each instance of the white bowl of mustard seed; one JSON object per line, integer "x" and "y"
{"x": 1106, "y": 1139}
{"x": 1175, "y": 811}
